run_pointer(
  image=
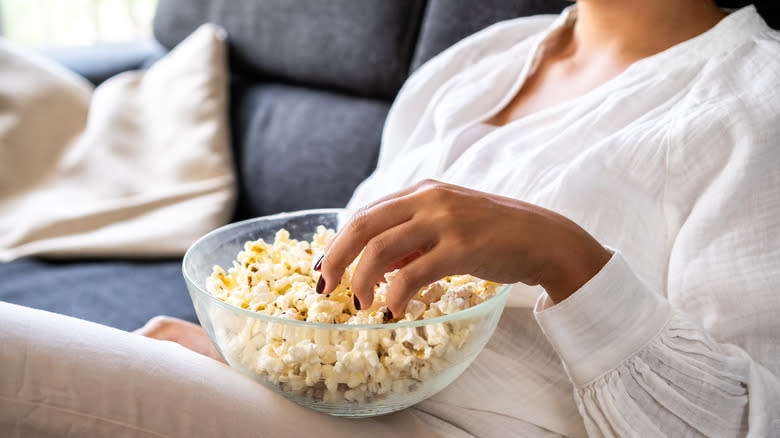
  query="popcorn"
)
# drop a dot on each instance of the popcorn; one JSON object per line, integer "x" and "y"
{"x": 335, "y": 365}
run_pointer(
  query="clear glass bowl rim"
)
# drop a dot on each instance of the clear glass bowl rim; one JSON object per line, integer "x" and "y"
{"x": 481, "y": 308}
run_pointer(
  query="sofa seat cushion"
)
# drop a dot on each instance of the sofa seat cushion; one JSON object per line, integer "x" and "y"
{"x": 119, "y": 293}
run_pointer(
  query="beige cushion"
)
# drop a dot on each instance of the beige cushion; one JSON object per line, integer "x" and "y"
{"x": 139, "y": 167}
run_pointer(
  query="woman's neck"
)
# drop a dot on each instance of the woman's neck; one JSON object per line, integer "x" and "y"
{"x": 630, "y": 30}
{"x": 607, "y": 37}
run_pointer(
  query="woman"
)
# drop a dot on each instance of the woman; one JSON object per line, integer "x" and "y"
{"x": 623, "y": 158}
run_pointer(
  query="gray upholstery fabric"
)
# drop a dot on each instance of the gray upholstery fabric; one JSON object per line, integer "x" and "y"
{"x": 299, "y": 148}
{"x": 121, "y": 294}
{"x": 448, "y": 21}
{"x": 360, "y": 46}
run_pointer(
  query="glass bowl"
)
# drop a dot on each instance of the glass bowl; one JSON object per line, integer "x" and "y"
{"x": 385, "y": 370}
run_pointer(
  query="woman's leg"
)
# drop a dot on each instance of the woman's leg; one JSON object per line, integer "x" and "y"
{"x": 65, "y": 376}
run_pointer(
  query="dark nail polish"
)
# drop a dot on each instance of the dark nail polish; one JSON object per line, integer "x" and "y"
{"x": 320, "y": 284}
{"x": 356, "y": 301}
{"x": 390, "y": 314}
{"x": 318, "y": 265}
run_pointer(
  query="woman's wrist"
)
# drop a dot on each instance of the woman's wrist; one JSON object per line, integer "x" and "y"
{"x": 570, "y": 266}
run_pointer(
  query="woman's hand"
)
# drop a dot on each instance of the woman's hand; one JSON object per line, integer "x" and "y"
{"x": 432, "y": 230}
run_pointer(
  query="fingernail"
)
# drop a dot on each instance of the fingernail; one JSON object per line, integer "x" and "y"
{"x": 356, "y": 301}
{"x": 320, "y": 284}
{"x": 318, "y": 265}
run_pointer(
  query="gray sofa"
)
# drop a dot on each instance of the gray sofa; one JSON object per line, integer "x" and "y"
{"x": 311, "y": 84}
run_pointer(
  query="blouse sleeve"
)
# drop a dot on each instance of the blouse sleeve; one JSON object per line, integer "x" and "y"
{"x": 702, "y": 356}
{"x": 642, "y": 368}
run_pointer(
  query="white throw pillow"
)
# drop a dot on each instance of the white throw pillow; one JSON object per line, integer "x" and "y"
{"x": 144, "y": 168}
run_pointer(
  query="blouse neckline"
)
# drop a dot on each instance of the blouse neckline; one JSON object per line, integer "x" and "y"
{"x": 731, "y": 31}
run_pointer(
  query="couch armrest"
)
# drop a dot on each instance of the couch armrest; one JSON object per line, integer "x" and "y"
{"x": 101, "y": 61}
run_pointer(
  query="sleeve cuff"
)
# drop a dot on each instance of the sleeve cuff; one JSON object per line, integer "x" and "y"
{"x": 608, "y": 320}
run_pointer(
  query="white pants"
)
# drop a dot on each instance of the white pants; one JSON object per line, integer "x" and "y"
{"x": 61, "y": 376}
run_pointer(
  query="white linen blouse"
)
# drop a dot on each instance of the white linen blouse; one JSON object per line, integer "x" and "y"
{"x": 674, "y": 165}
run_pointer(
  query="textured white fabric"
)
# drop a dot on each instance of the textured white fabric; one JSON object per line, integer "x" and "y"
{"x": 140, "y": 167}
{"x": 675, "y": 163}
{"x": 672, "y": 164}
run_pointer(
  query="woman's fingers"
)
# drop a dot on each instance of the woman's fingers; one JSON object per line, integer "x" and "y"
{"x": 389, "y": 250}
{"x": 373, "y": 227}
{"x": 366, "y": 224}
{"x": 420, "y": 272}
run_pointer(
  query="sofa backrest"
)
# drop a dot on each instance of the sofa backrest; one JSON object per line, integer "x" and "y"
{"x": 448, "y": 21}
{"x": 312, "y": 82}
{"x": 359, "y": 47}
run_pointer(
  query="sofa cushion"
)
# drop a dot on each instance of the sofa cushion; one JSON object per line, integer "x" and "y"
{"x": 448, "y": 21}
{"x": 361, "y": 46}
{"x": 140, "y": 167}
{"x": 121, "y": 294}
{"x": 300, "y": 148}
